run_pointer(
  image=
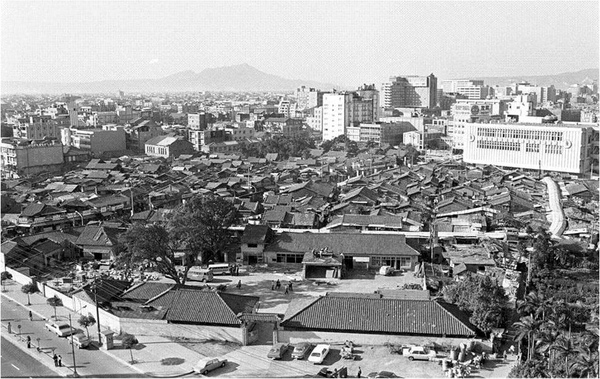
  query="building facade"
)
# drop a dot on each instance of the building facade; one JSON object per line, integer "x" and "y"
{"x": 549, "y": 147}
{"x": 344, "y": 109}
{"x": 26, "y": 157}
{"x": 410, "y": 92}
{"x": 467, "y": 111}
{"x": 168, "y": 146}
{"x": 97, "y": 141}
{"x": 201, "y": 138}
{"x": 197, "y": 121}
{"x": 308, "y": 98}
{"x": 36, "y": 127}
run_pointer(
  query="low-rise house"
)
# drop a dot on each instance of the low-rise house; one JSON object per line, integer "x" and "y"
{"x": 168, "y": 146}
{"x": 349, "y": 222}
{"x": 374, "y": 318}
{"x": 99, "y": 241}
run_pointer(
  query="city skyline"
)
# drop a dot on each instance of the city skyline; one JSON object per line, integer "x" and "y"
{"x": 296, "y": 40}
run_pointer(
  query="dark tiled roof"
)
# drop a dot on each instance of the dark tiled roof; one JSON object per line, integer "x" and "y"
{"x": 255, "y": 234}
{"x": 347, "y": 243}
{"x": 32, "y": 210}
{"x": 193, "y": 305}
{"x": 98, "y": 235}
{"x": 371, "y": 315}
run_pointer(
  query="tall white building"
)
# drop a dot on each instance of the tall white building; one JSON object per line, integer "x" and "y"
{"x": 567, "y": 148}
{"x": 410, "y": 92}
{"x": 466, "y": 111}
{"x": 336, "y": 107}
{"x": 472, "y": 89}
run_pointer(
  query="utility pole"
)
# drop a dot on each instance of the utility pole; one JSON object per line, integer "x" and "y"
{"x": 97, "y": 310}
{"x": 72, "y": 348}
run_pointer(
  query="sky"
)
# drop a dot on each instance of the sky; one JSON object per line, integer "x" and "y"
{"x": 328, "y": 41}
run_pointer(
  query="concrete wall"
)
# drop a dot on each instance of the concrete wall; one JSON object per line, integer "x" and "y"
{"x": 18, "y": 277}
{"x": 367, "y": 339}
{"x": 164, "y": 329}
{"x": 107, "y": 320}
{"x": 48, "y": 292}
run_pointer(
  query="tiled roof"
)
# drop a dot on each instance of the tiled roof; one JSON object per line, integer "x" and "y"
{"x": 354, "y": 244}
{"x": 255, "y": 234}
{"x": 146, "y": 291}
{"x": 365, "y": 314}
{"x": 32, "y": 209}
{"x": 98, "y": 235}
{"x": 189, "y": 304}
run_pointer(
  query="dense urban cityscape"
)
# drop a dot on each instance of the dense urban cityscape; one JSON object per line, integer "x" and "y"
{"x": 419, "y": 227}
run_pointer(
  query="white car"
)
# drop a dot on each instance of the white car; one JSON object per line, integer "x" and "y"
{"x": 419, "y": 353}
{"x": 61, "y": 330}
{"x": 319, "y": 353}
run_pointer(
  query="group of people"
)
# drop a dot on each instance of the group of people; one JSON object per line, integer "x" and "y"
{"x": 57, "y": 360}
{"x": 277, "y": 285}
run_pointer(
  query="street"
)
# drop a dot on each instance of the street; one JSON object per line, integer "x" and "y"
{"x": 17, "y": 364}
{"x": 90, "y": 362}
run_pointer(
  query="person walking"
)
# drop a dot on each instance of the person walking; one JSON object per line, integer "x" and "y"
{"x": 278, "y": 284}
{"x": 273, "y": 286}
{"x": 30, "y": 316}
{"x": 59, "y": 361}
{"x": 239, "y": 285}
{"x": 359, "y": 372}
{"x": 290, "y": 286}
{"x": 9, "y": 327}
{"x": 287, "y": 290}
{"x": 29, "y": 342}
{"x": 55, "y": 358}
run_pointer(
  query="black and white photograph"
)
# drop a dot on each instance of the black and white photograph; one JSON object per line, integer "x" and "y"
{"x": 299, "y": 189}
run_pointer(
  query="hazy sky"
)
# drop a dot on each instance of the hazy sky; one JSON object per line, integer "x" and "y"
{"x": 336, "y": 42}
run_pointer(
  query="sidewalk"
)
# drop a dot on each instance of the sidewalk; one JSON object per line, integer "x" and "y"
{"x": 148, "y": 354}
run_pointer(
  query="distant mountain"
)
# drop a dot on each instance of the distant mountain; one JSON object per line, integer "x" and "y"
{"x": 232, "y": 78}
{"x": 560, "y": 81}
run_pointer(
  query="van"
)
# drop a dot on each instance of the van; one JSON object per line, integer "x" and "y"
{"x": 200, "y": 274}
{"x": 219, "y": 268}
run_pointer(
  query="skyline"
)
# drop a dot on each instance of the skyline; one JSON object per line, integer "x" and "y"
{"x": 131, "y": 40}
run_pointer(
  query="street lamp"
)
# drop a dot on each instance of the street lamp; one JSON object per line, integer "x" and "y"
{"x": 73, "y": 348}
{"x": 97, "y": 309}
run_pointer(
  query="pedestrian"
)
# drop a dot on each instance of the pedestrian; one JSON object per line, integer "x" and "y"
{"x": 287, "y": 290}
{"x": 28, "y": 342}
{"x": 335, "y": 373}
{"x": 237, "y": 270}
{"x": 359, "y": 372}
{"x": 278, "y": 284}
{"x": 239, "y": 285}
{"x": 55, "y": 358}
{"x": 9, "y": 327}
{"x": 59, "y": 361}
{"x": 291, "y": 288}
{"x": 30, "y": 316}
{"x": 273, "y": 286}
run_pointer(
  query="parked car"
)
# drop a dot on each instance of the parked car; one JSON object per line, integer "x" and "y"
{"x": 382, "y": 374}
{"x": 205, "y": 365}
{"x": 301, "y": 350}
{"x": 386, "y": 270}
{"x": 61, "y": 330}
{"x": 277, "y": 351}
{"x": 319, "y": 353}
{"x": 80, "y": 340}
{"x": 419, "y": 353}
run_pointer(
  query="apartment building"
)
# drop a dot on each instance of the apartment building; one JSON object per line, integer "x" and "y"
{"x": 36, "y": 127}
{"x": 308, "y": 98}
{"x": 97, "y": 141}
{"x": 569, "y": 148}
{"x": 410, "y": 92}
{"x": 200, "y": 138}
{"x": 472, "y": 89}
{"x": 197, "y": 121}
{"x": 344, "y": 109}
{"x": 466, "y": 111}
{"x": 379, "y": 132}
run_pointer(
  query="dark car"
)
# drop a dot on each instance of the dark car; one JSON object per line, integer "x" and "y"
{"x": 301, "y": 350}
{"x": 277, "y": 351}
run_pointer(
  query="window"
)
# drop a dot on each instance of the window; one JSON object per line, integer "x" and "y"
{"x": 252, "y": 245}
{"x": 290, "y": 258}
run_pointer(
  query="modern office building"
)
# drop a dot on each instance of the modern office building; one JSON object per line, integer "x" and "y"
{"x": 27, "y": 157}
{"x": 379, "y": 132}
{"x": 472, "y": 89}
{"x": 410, "y": 92}
{"x": 466, "y": 111}
{"x": 568, "y": 148}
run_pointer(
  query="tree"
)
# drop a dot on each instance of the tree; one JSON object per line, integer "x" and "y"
{"x": 482, "y": 298}
{"x": 586, "y": 363}
{"x": 54, "y": 302}
{"x": 87, "y": 321}
{"x": 151, "y": 243}
{"x": 527, "y": 327}
{"x": 5, "y": 276}
{"x": 202, "y": 225}
{"x": 128, "y": 342}
{"x": 28, "y": 289}
{"x": 566, "y": 349}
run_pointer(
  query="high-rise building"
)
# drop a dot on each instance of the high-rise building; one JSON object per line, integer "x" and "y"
{"x": 466, "y": 111}
{"x": 472, "y": 89}
{"x": 308, "y": 98}
{"x": 197, "y": 121}
{"x": 344, "y": 109}
{"x": 410, "y": 92}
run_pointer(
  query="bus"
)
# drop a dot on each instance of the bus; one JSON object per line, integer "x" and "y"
{"x": 200, "y": 274}
{"x": 219, "y": 268}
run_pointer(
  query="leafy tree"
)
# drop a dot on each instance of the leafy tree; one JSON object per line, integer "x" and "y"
{"x": 202, "y": 224}
{"x": 86, "y": 322}
{"x": 529, "y": 369}
{"x": 566, "y": 349}
{"x": 28, "y": 289}
{"x": 481, "y": 297}
{"x": 54, "y": 302}
{"x": 527, "y": 328}
{"x": 128, "y": 342}
{"x": 586, "y": 363}
{"x": 5, "y": 276}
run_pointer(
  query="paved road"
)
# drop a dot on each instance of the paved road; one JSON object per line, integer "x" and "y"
{"x": 17, "y": 364}
{"x": 90, "y": 362}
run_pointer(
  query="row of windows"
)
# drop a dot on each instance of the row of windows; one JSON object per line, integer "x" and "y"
{"x": 553, "y": 149}
{"x": 499, "y": 145}
{"x": 395, "y": 262}
{"x": 290, "y": 258}
{"x": 532, "y": 147}
{"x": 520, "y": 134}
